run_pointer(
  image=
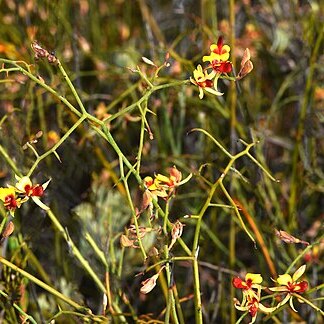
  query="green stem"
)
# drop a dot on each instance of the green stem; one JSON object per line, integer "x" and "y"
{"x": 130, "y": 202}
{"x": 237, "y": 213}
{"x": 141, "y": 141}
{"x": 10, "y": 162}
{"x": 42, "y": 84}
{"x": 56, "y": 146}
{"x": 306, "y": 301}
{"x": 195, "y": 248}
{"x": 85, "y": 264}
{"x": 71, "y": 86}
{"x": 214, "y": 140}
{"x": 25, "y": 315}
{"x": 317, "y": 288}
{"x": 166, "y": 217}
{"x": 43, "y": 285}
{"x": 173, "y": 259}
{"x": 170, "y": 307}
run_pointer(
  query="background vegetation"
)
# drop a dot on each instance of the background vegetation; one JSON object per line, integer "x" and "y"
{"x": 100, "y": 44}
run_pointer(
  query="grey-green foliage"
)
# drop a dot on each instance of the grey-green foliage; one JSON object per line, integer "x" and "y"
{"x": 103, "y": 216}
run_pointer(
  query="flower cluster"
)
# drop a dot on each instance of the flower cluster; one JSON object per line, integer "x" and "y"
{"x": 14, "y": 196}
{"x": 251, "y": 289}
{"x": 161, "y": 186}
{"x": 206, "y": 79}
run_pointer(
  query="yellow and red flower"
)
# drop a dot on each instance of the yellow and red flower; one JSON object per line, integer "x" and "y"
{"x": 251, "y": 289}
{"x": 251, "y": 303}
{"x": 252, "y": 280}
{"x": 218, "y": 58}
{"x": 9, "y": 199}
{"x": 162, "y": 186}
{"x": 204, "y": 81}
{"x": 14, "y": 196}
{"x": 25, "y": 188}
{"x": 218, "y": 62}
{"x": 219, "y": 52}
{"x": 290, "y": 284}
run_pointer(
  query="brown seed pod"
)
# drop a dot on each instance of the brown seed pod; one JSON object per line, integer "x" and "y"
{"x": 39, "y": 51}
{"x": 246, "y": 65}
{"x": 7, "y": 231}
{"x": 52, "y": 58}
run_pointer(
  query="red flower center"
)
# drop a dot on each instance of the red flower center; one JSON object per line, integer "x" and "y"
{"x": 240, "y": 284}
{"x": 222, "y": 67}
{"x": 297, "y": 287}
{"x": 36, "y": 190}
{"x": 10, "y": 202}
{"x": 28, "y": 190}
{"x": 253, "y": 306}
{"x": 219, "y": 49}
{"x": 205, "y": 83}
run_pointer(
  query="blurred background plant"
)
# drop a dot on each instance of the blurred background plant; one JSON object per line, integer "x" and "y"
{"x": 100, "y": 43}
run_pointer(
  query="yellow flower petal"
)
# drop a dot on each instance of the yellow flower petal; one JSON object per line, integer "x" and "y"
{"x": 226, "y": 48}
{"x": 4, "y": 192}
{"x": 162, "y": 178}
{"x": 201, "y": 93}
{"x": 198, "y": 73}
{"x": 292, "y": 305}
{"x": 38, "y": 202}
{"x": 266, "y": 310}
{"x": 280, "y": 289}
{"x": 214, "y": 92}
{"x": 255, "y": 277}
{"x": 213, "y": 47}
{"x": 210, "y": 58}
{"x": 44, "y": 185}
{"x": 22, "y": 183}
{"x": 284, "y": 279}
{"x": 299, "y": 272}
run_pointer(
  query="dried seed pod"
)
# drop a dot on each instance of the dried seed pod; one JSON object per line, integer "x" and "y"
{"x": 177, "y": 229}
{"x": 149, "y": 284}
{"x": 39, "y": 51}
{"x": 126, "y": 242}
{"x": 246, "y": 65}
{"x": 175, "y": 174}
{"x": 52, "y": 58}
{"x": 7, "y": 231}
{"x": 288, "y": 238}
{"x": 147, "y": 199}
